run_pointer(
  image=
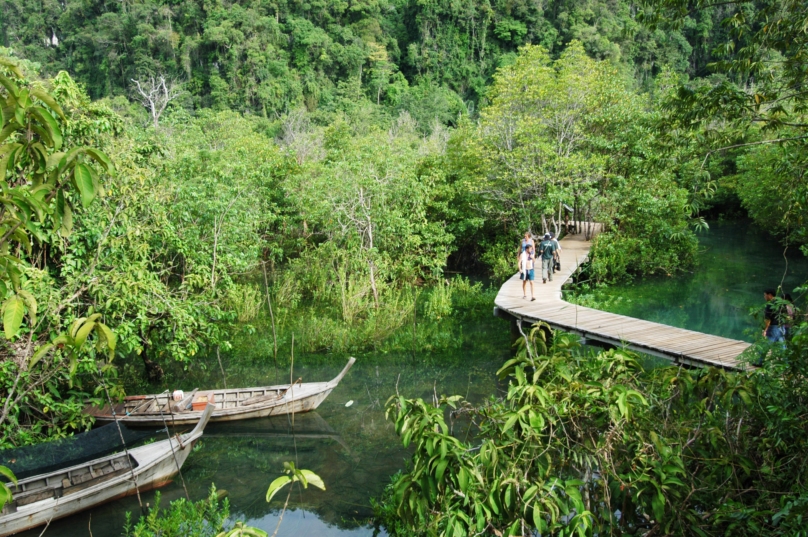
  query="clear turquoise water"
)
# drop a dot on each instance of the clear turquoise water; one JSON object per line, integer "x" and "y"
{"x": 737, "y": 262}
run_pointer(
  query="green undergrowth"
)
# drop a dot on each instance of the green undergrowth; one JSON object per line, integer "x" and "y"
{"x": 183, "y": 518}
{"x": 433, "y": 322}
{"x": 596, "y": 444}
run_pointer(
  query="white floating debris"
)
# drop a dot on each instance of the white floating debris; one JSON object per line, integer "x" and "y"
{"x": 349, "y": 403}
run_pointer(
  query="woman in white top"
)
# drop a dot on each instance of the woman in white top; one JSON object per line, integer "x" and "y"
{"x": 526, "y": 273}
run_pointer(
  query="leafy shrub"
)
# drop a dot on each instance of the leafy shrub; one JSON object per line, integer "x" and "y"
{"x": 594, "y": 444}
{"x": 439, "y": 301}
{"x": 183, "y": 518}
{"x": 245, "y": 300}
{"x": 501, "y": 264}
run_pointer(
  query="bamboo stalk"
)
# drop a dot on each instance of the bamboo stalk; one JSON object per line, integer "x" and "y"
{"x": 271, "y": 316}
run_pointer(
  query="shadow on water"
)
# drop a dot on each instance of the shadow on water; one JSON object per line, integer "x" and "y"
{"x": 737, "y": 262}
{"x": 353, "y": 448}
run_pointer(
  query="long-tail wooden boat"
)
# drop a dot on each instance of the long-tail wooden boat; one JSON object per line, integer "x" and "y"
{"x": 41, "y": 498}
{"x": 231, "y": 404}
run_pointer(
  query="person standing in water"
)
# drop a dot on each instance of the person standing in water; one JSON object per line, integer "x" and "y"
{"x": 526, "y": 271}
{"x": 546, "y": 252}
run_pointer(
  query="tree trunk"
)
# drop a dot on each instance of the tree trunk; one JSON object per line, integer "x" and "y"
{"x": 370, "y": 263}
{"x": 213, "y": 264}
{"x": 373, "y": 283}
{"x": 154, "y": 372}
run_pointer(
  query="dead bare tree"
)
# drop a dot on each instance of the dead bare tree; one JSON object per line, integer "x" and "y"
{"x": 155, "y": 93}
{"x": 302, "y": 138}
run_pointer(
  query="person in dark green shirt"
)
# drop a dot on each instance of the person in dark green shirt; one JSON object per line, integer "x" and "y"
{"x": 546, "y": 249}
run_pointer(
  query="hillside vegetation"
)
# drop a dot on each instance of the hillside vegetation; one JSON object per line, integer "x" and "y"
{"x": 433, "y": 59}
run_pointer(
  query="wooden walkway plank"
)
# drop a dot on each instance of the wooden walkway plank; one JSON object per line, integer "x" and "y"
{"x": 677, "y": 344}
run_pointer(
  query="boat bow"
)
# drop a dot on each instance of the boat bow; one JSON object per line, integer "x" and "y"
{"x": 336, "y": 380}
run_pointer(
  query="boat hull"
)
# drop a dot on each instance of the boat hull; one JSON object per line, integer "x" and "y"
{"x": 229, "y": 404}
{"x": 295, "y": 406}
{"x": 155, "y": 465}
{"x": 152, "y": 475}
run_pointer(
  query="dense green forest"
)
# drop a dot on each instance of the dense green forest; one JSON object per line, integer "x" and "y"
{"x": 177, "y": 174}
{"x": 268, "y": 57}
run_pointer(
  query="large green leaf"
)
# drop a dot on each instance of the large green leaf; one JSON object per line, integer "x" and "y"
{"x": 67, "y": 221}
{"x": 8, "y": 474}
{"x": 68, "y": 158}
{"x": 277, "y": 485}
{"x": 82, "y": 333}
{"x": 54, "y": 159}
{"x": 50, "y": 101}
{"x": 74, "y": 327}
{"x": 12, "y": 126}
{"x": 11, "y": 66}
{"x": 44, "y": 134}
{"x": 49, "y": 123}
{"x": 63, "y": 215}
{"x": 101, "y": 158}
{"x": 84, "y": 183}
{"x": 107, "y": 337}
{"x": 30, "y": 301}
{"x": 13, "y": 312}
{"x": 10, "y": 86}
{"x": 9, "y": 159}
{"x": 313, "y": 479}
{"x": 39, "y": 354}
{"x": 5, "y": 495}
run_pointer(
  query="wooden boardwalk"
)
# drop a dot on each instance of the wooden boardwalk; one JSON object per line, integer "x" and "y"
{"x": 676, "y": 344}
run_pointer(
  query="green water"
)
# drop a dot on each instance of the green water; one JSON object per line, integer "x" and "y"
{"x": 353, "y": 448}
{"x": 737, "y": 262}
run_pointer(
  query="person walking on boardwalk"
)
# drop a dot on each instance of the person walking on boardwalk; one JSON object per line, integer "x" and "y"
{"x": 527, "y": 241}
{"x": 556, "y": 254}
{"x": 526, "y": 271}
{"x": 773, "y": 317}
{"x": 546, "y": 252}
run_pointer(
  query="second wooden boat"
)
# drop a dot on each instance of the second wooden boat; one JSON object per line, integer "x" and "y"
{"x": 38, "y": 499}
{"x": 230, "y": 405}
